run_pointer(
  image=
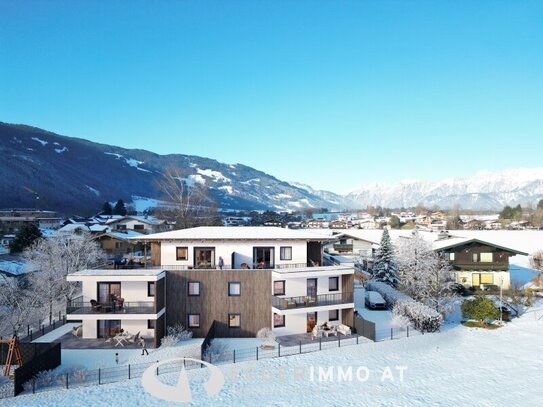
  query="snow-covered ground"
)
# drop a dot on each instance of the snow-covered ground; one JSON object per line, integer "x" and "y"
{"x": 460, "y": 366}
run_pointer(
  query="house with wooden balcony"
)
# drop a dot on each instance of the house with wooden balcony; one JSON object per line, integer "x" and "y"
{"x": 113, "y": 300}
{"x": 477, "y": 263}
{"x": 248, "y": 278}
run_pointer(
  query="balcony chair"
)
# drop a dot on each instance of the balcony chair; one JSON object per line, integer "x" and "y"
{"x": 95, "y": 306}
{"x": 343, "y": 329}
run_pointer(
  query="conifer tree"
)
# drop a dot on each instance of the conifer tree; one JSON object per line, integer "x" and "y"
{"x": 119, "y": 209}
{"x": 385, "y": 268}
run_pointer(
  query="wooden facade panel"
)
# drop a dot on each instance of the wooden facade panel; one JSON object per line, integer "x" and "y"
{"x": 214, "y": 303}
{"x": 155, "y": 253}
{"x": 463, "y": 257}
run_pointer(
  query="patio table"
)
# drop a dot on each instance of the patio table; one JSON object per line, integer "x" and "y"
{"x": 120, "y": 340}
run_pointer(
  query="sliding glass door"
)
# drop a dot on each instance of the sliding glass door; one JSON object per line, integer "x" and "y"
{"x": 263, "y": 257}
{"x": 108, "y": 328}
{"x": 204, "y": 257}
{"x": 106, "y": 290}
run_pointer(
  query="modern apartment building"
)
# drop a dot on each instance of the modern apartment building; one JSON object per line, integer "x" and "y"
{"x": 243, "y": 278}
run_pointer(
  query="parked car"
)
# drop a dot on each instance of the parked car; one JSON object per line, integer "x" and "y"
{"x": 374, "y": 300}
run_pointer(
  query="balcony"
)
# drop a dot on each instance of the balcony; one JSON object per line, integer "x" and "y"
{"x": 306, "y": 301}
{"x": 79, "y": 306}
{"x": 344, "y": 248}
{"x": 480, "y": 266}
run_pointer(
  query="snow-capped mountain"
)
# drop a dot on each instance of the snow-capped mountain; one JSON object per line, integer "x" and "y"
{"x": 484, "y": 190}
{"x": 74, "y": 175}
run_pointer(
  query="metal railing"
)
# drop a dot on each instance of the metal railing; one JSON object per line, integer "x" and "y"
{"x": 80, "y": 306}
{"x": 305, "y": 301}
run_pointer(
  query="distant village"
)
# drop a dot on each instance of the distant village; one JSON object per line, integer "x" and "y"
{"x": 115, "y": 225}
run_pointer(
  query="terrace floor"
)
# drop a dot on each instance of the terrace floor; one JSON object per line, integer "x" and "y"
{"x": 69, "y": 341}
{"x": 294, "y": 340}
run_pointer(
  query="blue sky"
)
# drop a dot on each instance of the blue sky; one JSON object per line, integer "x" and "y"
{"x": 333, "y": 94}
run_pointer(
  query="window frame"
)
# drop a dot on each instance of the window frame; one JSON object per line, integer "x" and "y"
{"x": 230, "y": 314}
{"x": 151, "y": 322}
{"x": 149, "y": 285}
{"x": 188, "y": 289}
{"x": 330, "y": 317}
{"x": 485, "y": 257}
{"x": 283, "y": 318}
{"x": 177, "y": 257}
{"x": 188, "y": 321}
{"x": 284, "y": 287}
{"x": 337, "y": 283}
{"x": 230, "y": 283}
{"x": 281, "y": 253}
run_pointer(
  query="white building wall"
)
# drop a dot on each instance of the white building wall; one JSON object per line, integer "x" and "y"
{"x": 224, "y": 249}
{"x": 466, "y": 277}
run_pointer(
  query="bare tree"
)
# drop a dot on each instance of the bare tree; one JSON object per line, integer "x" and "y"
{"x": 56, "y": 257}
{"x": 188, "y": 202}
{"x": 18, "y": 304}
{"x": 517, "y": 298}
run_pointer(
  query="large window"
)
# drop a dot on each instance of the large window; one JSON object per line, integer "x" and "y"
{"x": 279, "y": 287}
{"x": 182, "y": 253}
{"x": 234, "y": 289}
{"x": 451, "y": 256}
{"x": 333, "y": 315}
{"x": 234, "y": 320}
{"x": 151, "y": 289}
{"x": 263, "y": 257}
{"x": 204, "y": 257}
{"x": 285, "y": 253}
{"x": 138, "y": 226}
{"x": 333, "y": 284}
{"x": 193, "y": 320}
{"x": 107, "y": 292}
{"x": 278, "y": 321}
{"x": 193, "y": 289}
{"x": 108, "y": 328}
{"x": 486, "y": 257}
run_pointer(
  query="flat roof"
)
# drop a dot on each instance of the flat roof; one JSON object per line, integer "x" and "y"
{"x": 237, "y": 233}
{"x": 118, "y": 273}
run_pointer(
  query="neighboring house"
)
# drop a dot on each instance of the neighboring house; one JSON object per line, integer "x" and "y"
{"x": 139, "y": 306}
{"x": 477, "y": 263}
{"x": 119, "y": 243}
{"x": 350, "y": 244}
{"x": 141, "y": 224}
{"x": 12, "y": 220}
{"x": 271, "y": 277}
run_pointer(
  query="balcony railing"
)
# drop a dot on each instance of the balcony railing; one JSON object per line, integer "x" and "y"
{"x": 246, "y": 266}
{"x": 305, "y": 301}
{"x": 480, "y": 266}
{"x": 79, "y": 306}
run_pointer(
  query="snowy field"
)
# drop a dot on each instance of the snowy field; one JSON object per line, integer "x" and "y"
{"x": 461, "y": 366}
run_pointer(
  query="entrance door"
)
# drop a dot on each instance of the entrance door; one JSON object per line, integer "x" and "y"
{"x": 108, "y": 328}
{"x": 311, "y": 321}
{"x": 476, "y": 279}
{"x": 106, "y": 290}
{"x": 263, "y": 257}
{"x": 204, "y": 257}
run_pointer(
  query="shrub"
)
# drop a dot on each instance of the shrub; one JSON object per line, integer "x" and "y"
{"x": 216, "y": 351}
{"x": 175, "y": 333}
{"x": 267, "y": 337}
{"x": 424, "y": 318}
{"x": 480, "y": 309}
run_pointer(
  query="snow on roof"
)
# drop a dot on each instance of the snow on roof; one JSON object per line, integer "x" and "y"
{"x": 123, "y": 235}
{"x": 238, "y": 233}
{"x": 354, "y": 236}
{"x": 150, "y": 220}
{"x": 15, "y": 268}
{"x": 71, "y": 227}
{"x": 460, "y": 241}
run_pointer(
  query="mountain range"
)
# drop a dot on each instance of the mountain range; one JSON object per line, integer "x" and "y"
{"x": 75, "y": 176}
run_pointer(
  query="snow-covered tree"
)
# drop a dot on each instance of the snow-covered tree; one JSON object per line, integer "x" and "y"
{"x": 18, "y": 304}
{"x": 385, "y": 268}
{"x": 56, "y": 257}
{"x": 424, "y": 275}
